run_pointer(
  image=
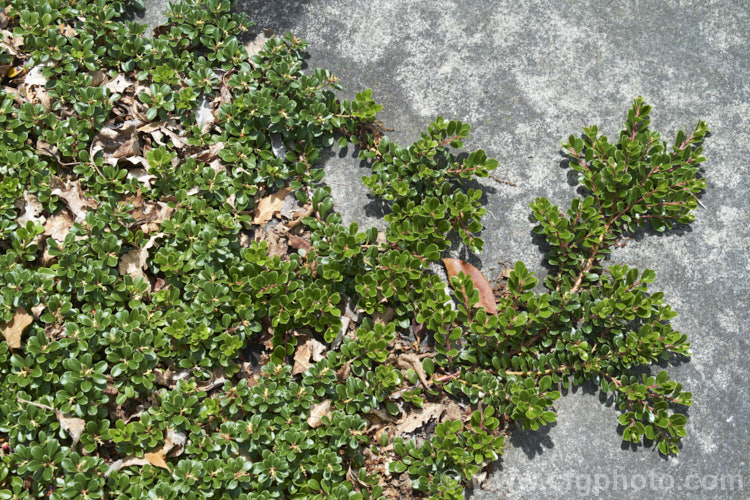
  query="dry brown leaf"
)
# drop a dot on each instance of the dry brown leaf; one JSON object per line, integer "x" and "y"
{"x": 317, "y": 412}
{"x": 58, "y": 226}
{"x": 134, "y": 262}
{"x": 75, "y": 199}
{"x": 298, "y": 243}
{"x": 343, "y": 373}
{"x": 157, "y": 459}
{"x": 416, "y": 419}
{"x": 46, "y": 149}
{"x": 409, "y": 360}
{"x": 147, "y": 213}
{"x": 204, "y": 116}
{"x": 486, "y": 295}
{"x": 13, "y": 329}
{"x": 37, "y": 310}
{"x": 97, "y": 77}
{"x": 35, "y": 77}
{"x": 174, "y": 445}
{"x": 269, "y": 205}
{"x": 209, "y": 154}
{"x": 117, "y": 142}
{"x": 141, "y": 175}
{"x": 120, "y": 84}
{"x": 257, "y": 44}
{"x": 11, "y": 44}
{"x": 72, "y": 425}
{"x": 163, "y": 377}
{"x": 32, "y": 209}
{"x": 177, "y": 141}
{"x": 244, "y": 240}
{"x": 177, "y": 440}
{"x": 310, "y": 350}
{"x": 67, "y": 31}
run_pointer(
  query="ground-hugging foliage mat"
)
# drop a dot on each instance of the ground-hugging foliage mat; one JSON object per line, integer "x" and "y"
{"x": 184, "y": 316}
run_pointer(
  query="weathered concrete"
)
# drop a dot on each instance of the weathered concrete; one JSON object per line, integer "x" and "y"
{"x": 526, "y": 75}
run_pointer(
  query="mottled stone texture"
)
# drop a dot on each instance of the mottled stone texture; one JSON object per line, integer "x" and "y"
{"x": 526, "y": 75}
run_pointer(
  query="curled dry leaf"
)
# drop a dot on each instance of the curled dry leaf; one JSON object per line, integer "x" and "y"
{"x": 35, "y": 76}
{"x": 37, "y": 310}
{"x": 208, "y": 155}
{"x": 119, "y": 84}
{"x": 117, "y": 142}
{"x": 416, "y": 419}
{"x": 298, "y": 243}
{"x": 317, "y": 412}
{"x": 174, "y": 445}
{"x": 409, "y": 360}
{"x": 269, "y": 205}
{"x": 486, "y": 295}
{"x": 177, "y": 440}
{"x": 32, "y": 209}
{"x": 13, "y": 329}
{"x": 73, "y": 196}
{"x": 141, "y": 175}
{"x": 58, "y": 226}
{"x": 134, "y": 262}
{"x": 72, "y": 425}
{"x": 310, "y": 350}
{"x": 204, "y": 116}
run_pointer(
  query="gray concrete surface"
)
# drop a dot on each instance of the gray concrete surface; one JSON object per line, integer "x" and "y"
{"x": 526, "y": 75}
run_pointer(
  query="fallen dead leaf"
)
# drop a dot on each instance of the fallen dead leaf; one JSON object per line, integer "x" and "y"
{"x": 13, "y": 329}
{"x": 416, "y": 419}
{"x": 177, "y": 441}
{"x": 32, "y": 209}
{"x": 67, "y": 31}
{"x": 157, "y": 459}
{"x": 204, "y": 116}
{"x": 117, "y": 142}
{"x": 37, "y": 310}
{"x": 486, "y": 295}
{"x": 208, "y": 155}
{"x": 133, "y": 263}
{"x": 142, "y": 176}
{"x": 343, "y": 373}
{"x": 317, "y": 412}
{"x": 269, "y": 205}
{"x": 310, "y": 350}
{"x": 73, "y": 195}
{"x": 119, "y": 84}
{"x": 173, "y": 446}
{"x": 58, "y": 226}
{"x": 72, "y": 425}
{"x": 11, "y": 44}
{"x": 35, "y": 77}
{"x": 298, "y": 243}
{"x": 410, "y": 360}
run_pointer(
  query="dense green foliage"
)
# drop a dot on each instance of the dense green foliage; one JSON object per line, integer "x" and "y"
{"x": 87, "y": 405}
